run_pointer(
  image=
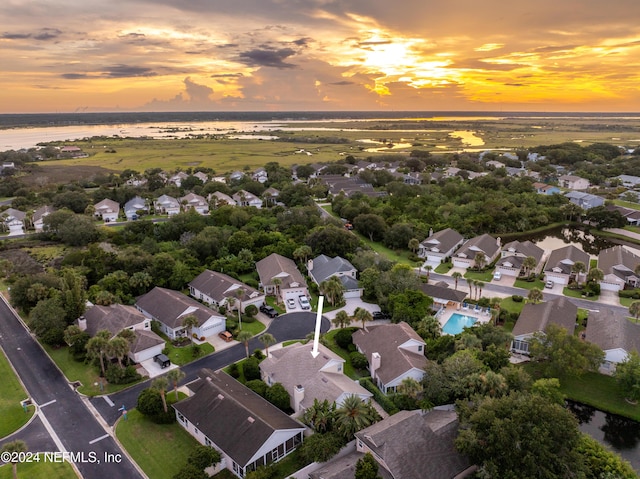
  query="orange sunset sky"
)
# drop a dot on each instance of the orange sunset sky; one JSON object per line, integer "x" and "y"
{"x": 252, "y": 55}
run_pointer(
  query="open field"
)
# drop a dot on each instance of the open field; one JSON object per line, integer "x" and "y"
{"x": 12, "y": 414}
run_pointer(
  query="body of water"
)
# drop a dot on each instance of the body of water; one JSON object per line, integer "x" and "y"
{"x": 620, "y": 434}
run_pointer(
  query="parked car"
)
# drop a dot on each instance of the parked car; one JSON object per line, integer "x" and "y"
{"x": 269, "y": 311}
{"x": 304, "y": 302}
{"x": 291, "y": 303}
{"x": 549, "y": 284}
{"x": 226, "y": 335}
{"x": 380, "y": 315}
{"x": 162, "y": 360}
{"x": 497, "y": 275}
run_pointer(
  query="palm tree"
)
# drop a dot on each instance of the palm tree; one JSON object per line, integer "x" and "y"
{"x": 160, "y": 383}
{"x": 428, "y": 328}
{"x": 333, "y": 289}
{"x": 97, "y": 347}
{"x": 15, "y": 447}
{"x": 267, "y": 340}
{"x": 456, "y": 276}
{"x": 277, "y": 282}
{"x": 353, "y": 416}
{"x": 128, "y": 334}
{"x": 595, "y": 275}
{"x": 409, "y": 387}
{"x": 302, "y": 253}
{"x": 480, "y": 285}
{"x": 320, "y": 416}
{"x": 480, "y": 260}
{"x": 414, "y": 244}
{"x": 535, "y": 296}
{"x": 239, "y": 294}
{"x": 428, "y": 268}
{"x": 244, "y": 337}
{"x": 529, "y": 264}
{"x": 189, "y": 322}
{"x": 578, "y": 268}
{"x": 634, "y": 309}
{"x": 361, "y": 314}
{"x": 342, "y": 319}
{"x": 470, "y": 283}
{"x": 175, "y": 376}
{"x": 495, "y": 309}
{"x": 118, "y": 347}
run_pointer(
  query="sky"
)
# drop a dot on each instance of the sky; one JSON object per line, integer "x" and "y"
{"x": 319, "y": 55}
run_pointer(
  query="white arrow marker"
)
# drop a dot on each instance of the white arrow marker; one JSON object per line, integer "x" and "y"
{"x": 316, "y": 336}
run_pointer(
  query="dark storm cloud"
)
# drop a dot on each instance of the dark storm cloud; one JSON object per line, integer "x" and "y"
{"x": 15, "y": 36}
{"x": 477, "y": 64}
{"x": 267, "y": 58}
{"x": 128, "y": 71}
{"x": 227, "y": 75}
{"x": 342, "y": 83}
{"x": 74, "y": 76}
{"x": 42, "y": 35}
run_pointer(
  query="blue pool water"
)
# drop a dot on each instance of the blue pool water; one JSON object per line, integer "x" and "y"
{"x": 457, "y": 322}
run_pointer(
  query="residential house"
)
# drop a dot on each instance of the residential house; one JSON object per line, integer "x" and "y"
{"x": 291, "y": 283}
{"x": 573, "y": 182}
{"x": 245, "y": 428}
{"x": 443, "y": 296}
{"x": 516, "y": 172}
{"x": 219, "y": 199}
{"x": 270, "y": 196}
{"x": 584, "y": 200}
{"x": 322, "y": 267}
{"x": 166, "y": 205}
{"x": 178, "y": 178}
{"x": 559, "y": 266}
{"x": 245, "y": 198}
{"x": 108, "y": 210}
{"x": 429, "y": 454}
{"x": 307, "y": 378}
{"x": 619, "y": 266}
{"x": 535, "y": 318}
{"x": 493, "y": 163}
{"x": 170, "y": 307}
{"x": 216, "y": 288}
{"x": 439, "y": 246}
{"x": 260, "y": 175}
{"x": 513, "y": 254}
{"x": 632, "y": 216}
{"x": 236, "y": 176}
{"x": 338, "y": 184}
{"x": 13, "y": 220}
{"x": 394, "y": 351}
{"x": 615, "y": 334}
{"x": 412, "y": 178}
{"x": 545, "y": 189}
{"x": 628, "y": 181}
{"x": 134, "y": 207}
{"x": 467, "y": 255}
{"x": 201, "y": 176}
{"x": 116, "y": 318}
{"x": 72, "y": 152}
{"x": 195, "y": 202}
{"x": 39, "y": 215}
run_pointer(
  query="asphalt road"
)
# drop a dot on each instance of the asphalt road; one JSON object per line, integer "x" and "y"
{"x": 75, "y": 428}
{"x": 284, "y": 328}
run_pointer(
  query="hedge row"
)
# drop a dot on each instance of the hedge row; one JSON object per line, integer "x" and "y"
{"x": 386, "y": 403}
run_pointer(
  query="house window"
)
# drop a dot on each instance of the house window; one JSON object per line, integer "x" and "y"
{"x": 520, "y": 345}
{"x": 339, "y": 368}
{"x": 207, "y": 442}
{"x": 195, "y": 430}
{"x": 420, "y": 348}
{"x": 181, "y": 417}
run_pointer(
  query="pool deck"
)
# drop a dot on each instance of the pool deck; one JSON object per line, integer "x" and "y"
{"x": 444, "y": 316}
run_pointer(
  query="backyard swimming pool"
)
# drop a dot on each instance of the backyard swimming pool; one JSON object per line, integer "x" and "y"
{"x": 457, "y": 322}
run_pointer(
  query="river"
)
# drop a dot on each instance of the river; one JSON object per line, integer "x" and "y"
{"x": 620, "y": 434}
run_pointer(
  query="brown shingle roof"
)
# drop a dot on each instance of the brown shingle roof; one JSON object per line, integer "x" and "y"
{"x": 232, "y": 416}
{"x": 443, "y": 240}
{"x": 386, "y": 340}
{"x": 536, "y": 317}
{"x": 145, "y": 340}
{"x": 284, "y": 268}
{"x": 170, "y": 307}
{"x": 564, "y": 258}
{"x": 618, "y": 261}
{"x": 219, "y": 286}
{"x": 485, "y": 243}
{"x": 113, "y": 318}
{"x": 610, "y": 329}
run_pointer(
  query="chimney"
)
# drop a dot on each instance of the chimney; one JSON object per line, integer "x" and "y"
{"x": 430, "y": 232}
{"x": 309, "y": 265}
{"x": 499, "y": 241}
{"x": 298, "y": 397}
{"x": 82, "y": 323}
{"x": 375, "y": 364}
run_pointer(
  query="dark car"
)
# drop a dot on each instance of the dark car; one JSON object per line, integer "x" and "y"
{"x": 380, "y": 315}
{"x": 162, "y": 360}
{"x": 269, "y": 311}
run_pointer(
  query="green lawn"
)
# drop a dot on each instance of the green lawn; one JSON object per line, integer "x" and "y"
{"x": 87, "y": 374}
{"x": 512, "y": 306}
{"x": 254, "y": 328}
{"x": 486, "y": 276}
{"x": 349, "y": 370}
{"x": 161, "y": 450}
{"x": 184, "y": 355}
{"x": 574, "y": 293}
{"x": 626, "y": 301}
{"x": 11, "y": 411}
{"x": 520, "y": 283}
{"x": 443, "y": 268}
{"x": 40, "y": 470}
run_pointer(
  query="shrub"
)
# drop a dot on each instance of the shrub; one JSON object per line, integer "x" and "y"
{"x": 343, "y": 337}
{"x": 517, "y": 298}
{"x": 251, "y": 310}
{"x": 259, "y": 355}
{"x": 384, "y": 401}
{"x": 234, "y": 371}
{"x": 196, "y": 350}
{"x": 118, "y": 375}
{"x": 248, "y": 319}
{"x": 257, "y": 386}
{"x": 278, "y": 396}
{"x": 358, "y": 360}
{"x": 150, "y": 404}
{"x": 251, "y": 369}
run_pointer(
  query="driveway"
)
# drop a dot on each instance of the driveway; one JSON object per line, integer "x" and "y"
{"x": 350, "y": 307}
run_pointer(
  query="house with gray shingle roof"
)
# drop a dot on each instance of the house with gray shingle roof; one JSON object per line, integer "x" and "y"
{"x": 559, "y": 266}
{"x": 39, "y": 216}
{"x": 245, "y": 428}
{"x": 430, "y": 453}
{"x": 466, "y": 255}
{"x": 118, "y": 317}
{"x": 513, "y": 254}
{"x": 615, "y": 334}
{"x": 292, "y": 283}
{"x": 134, "y": 207}
{"x": 218, "y": 198}
{"x": 535, "y": 318}
{"x": 438, "y": 246}
{"x": 394, "y": 351}
{"x": 322, "y": 267}
{"x": 170, "y": 307}
{"x": 619, "y": 267}
{"x": 216, "y": 288}
{"x": 307, "y": 378}
{"x": 14, "y": 220}
{"x": 166, "y": 205}
{"x": 245, "y": 198}
{"x": 573, "y": 182}
{"x": 178, "y": 178}
{"x": 584, "y": 200}
{"x": 442, "y": 295}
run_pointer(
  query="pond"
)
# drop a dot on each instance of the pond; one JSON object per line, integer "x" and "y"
{"x": 620, "y": 434}
{"x": 561, "y": 237}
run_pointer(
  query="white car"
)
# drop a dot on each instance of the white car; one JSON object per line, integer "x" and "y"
{"x": 304, "y": 302}
{"x": 549, "y": 284}
{"x": 291, "y": 303}
{"x": 497, "y": 275}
